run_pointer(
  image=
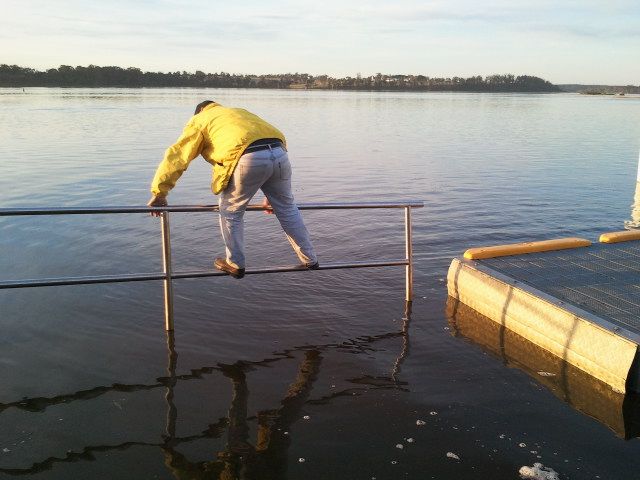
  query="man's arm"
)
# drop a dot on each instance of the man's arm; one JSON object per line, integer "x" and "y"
{"x": 175, "y": 162}
{"x": 267, "y": 206}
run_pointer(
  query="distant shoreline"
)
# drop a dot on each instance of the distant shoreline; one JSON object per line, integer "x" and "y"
{"x": 387, "y": 90}
{"x": 601, "y": 89}
{"x": 93, "y": 76}
{"x": 101, "y": 77}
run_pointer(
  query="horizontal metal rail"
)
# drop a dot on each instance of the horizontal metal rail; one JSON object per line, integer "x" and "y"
{"x": 167, "y": 275}
{"x": 10, "y": 212}
{"x": 143, "y": 277}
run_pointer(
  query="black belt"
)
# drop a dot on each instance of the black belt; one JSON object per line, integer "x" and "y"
{"x": 256, "y": 147}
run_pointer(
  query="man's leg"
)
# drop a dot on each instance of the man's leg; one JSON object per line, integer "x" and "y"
{"x": 250, "y": 173}
{"x": 278, "y": 191}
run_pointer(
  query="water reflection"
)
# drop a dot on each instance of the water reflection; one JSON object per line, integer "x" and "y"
{"x": 264, "y": 457}
{"x": 267, "y": 457}
{"x": 619, "y": 412}
{"x": 404, "y": 353}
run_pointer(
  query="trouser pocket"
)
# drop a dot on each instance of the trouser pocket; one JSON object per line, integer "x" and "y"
{"x": 284, "y": 169}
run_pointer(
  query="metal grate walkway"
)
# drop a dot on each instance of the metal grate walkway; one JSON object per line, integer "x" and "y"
{"x": 603, "y": 279}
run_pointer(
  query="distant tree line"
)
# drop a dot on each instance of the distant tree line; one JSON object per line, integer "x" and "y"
{"x": 95, "y": 76}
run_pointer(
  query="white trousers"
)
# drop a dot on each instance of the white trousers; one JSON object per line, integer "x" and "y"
{"x": 270, "y": 171}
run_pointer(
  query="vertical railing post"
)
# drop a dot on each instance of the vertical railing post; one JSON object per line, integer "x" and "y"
{"x": 409, "y": 254}
{"x": 166, "y": 266}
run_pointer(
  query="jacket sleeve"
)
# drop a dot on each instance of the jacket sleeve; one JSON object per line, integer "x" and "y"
{"x": 177, "y": 159}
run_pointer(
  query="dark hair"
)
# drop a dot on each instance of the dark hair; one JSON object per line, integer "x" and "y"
{"x": 201, "y": 105}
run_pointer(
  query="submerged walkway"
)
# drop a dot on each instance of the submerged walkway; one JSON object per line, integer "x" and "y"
{"x": 582, "y": 304}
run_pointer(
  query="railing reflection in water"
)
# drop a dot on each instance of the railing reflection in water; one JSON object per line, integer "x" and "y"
{"x": 267, "y": 456}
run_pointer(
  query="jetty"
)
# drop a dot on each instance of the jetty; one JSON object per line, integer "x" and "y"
{"x": 576, "y": 299}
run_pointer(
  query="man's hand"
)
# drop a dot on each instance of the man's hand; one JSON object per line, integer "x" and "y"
{"x": 267, "y": 205}
{"x": 157, "y": 201}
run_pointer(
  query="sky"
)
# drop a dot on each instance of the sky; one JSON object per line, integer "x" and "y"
{"x": 563, "y": 41}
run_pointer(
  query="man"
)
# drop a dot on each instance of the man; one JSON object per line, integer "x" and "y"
{"x": 247, "y": 154}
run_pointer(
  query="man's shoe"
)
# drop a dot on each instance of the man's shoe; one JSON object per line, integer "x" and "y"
{"x": 222, "y": 264}
{"x": 313, "y": 266}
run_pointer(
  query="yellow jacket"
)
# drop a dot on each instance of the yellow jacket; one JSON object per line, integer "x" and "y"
{"x": 220, "y": 135}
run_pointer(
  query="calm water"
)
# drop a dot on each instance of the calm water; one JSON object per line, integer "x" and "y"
{"x": 321, "y": 366}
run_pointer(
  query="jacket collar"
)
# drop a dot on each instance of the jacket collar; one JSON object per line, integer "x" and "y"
{"x": 211, "y": 105}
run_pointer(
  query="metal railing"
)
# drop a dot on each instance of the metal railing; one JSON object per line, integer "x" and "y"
{"x": 167, "y": 274}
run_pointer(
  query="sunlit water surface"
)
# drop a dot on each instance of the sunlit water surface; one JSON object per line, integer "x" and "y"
{"x": 315, "y": 375}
